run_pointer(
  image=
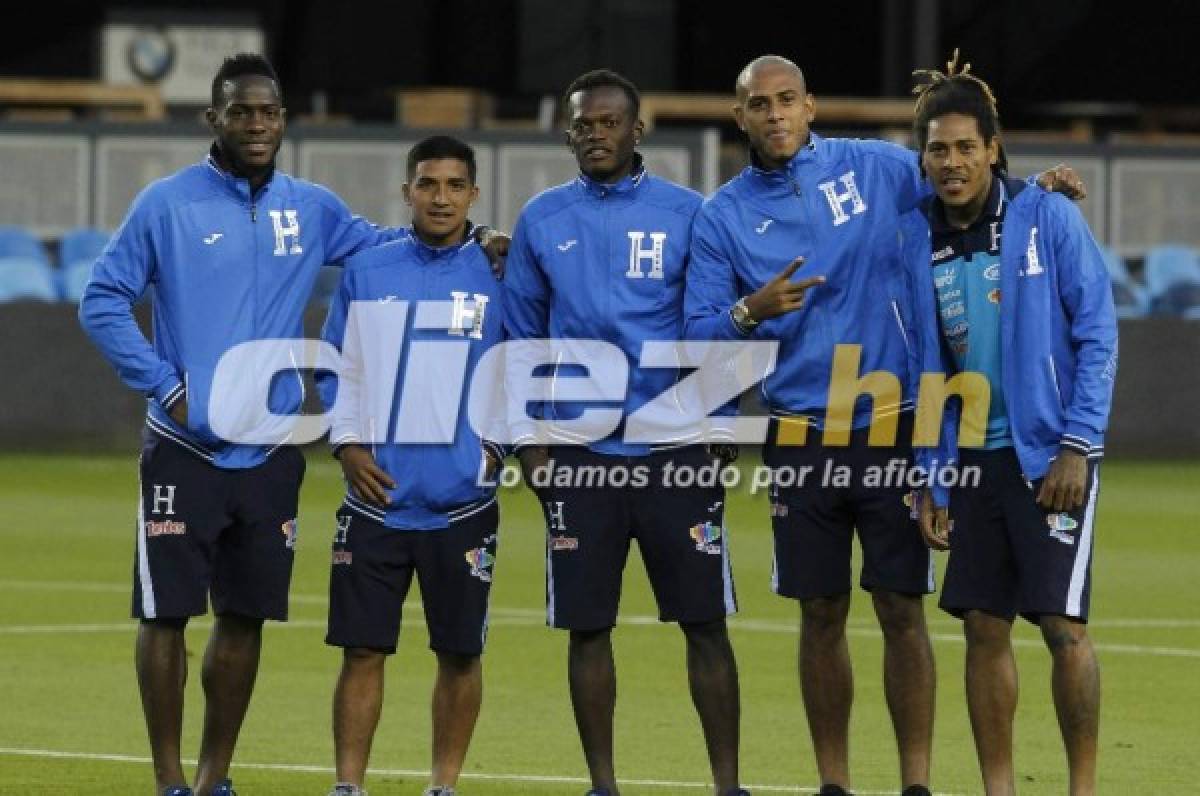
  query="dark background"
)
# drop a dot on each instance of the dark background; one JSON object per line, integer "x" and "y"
{"x": 1032, "y": 51}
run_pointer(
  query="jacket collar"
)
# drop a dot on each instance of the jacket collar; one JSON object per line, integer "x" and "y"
{"x": 239, "y": 185}
{"x": 807, "y": 154}
{"x": 626, "y": 185}
{"x": 426, "y": 253}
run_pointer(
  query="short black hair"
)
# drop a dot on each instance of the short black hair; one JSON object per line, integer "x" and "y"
{"x": 956, "y": 91}
{"x": 236, "y": 66}
{"x": 598, "y": 78}
{"x": 438, "y": 147}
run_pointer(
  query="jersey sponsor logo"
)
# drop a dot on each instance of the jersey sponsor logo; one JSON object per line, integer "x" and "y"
{"x": 779, "y": 509}
{"x": 554, "y": 515}
{"x": 761, "y": 229}
{"x": 480, "y": 561}
{"x": 992, "y": 272}
{"x": 837, "y": 199}
{"x": 343, "y": 529}
{"x": 707, "y": 536}
{"x": 287, "y": 227}
{"x": 165, "y": 528}
{"x": 343, "y": 557}
{"x": 942, "y": 254}
{"x": 949, "y": 295}
{"x": 994, "y": 295}
{"x": 954, "y": 310}
{"x": 638, "y": 255}
{"x": 213, "y": 238}
{"x": 566, "y": 245}
{"x": 944, "y": 280}
{"x": 564, "y": 543}
{"x": 1061, "y": 525}
{"x": 290, "y": 530}
{"x": 994, "y": 230}
{"x": 1033, "y": 266}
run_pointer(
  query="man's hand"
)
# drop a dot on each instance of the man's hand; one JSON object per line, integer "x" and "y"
{"x": 364, "y": 476}
{"x": 1063, "y": 179}
{"x": 179, "y": 412}
{"x": 935, "y": 522}
{"x": 491, "y": 466}
{"x": 780, "y": 295}
{"x": 533, "y": 457}
{"x": 1062, "y": 488}
{"x": 495, "y": 245}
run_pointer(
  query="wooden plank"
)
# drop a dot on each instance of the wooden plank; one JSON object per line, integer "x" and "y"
{"x": 830, "y": 110}
{"x": 28, "y": 91}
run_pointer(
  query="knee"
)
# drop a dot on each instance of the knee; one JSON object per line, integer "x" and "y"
{"x": 899, "y": 614}
{"x": 457, "y": 664}
{"x": 1063, "y": 636}
{"x": 239, "y": 625}
{"x": 172, "y": 625}
{"x": 825, "y": 615}
{"x": 590, "y": 639}
{"x": 363, "y": 658}
{"x": 706, "y": 635}
{"x": 984, "y": 631}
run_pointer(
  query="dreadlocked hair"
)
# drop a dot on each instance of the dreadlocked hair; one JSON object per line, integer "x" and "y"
{"x": 956, "y": 91}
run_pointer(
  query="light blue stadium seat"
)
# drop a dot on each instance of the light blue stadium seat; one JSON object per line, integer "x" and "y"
{"x": 1129, "y": 297}
{"x": 28, "y": 279}
{"x": 1173, "y": 279}
{"x": 18, "y": 242}
{"x": 83, "y": 243}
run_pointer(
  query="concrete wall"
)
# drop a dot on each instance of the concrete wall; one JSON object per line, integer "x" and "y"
{"x": 57, "y": 393}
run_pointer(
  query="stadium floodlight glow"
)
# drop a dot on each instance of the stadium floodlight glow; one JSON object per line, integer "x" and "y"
{"x": 372, "y": 404}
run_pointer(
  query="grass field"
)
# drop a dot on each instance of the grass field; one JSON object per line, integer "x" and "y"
{"x": 70, "y": 720}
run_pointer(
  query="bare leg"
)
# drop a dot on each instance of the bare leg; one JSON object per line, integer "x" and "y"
{"x": 457, "y": 695}
{"x": 230, "y": 668}
{"x": 161, "y": 662}
{"x": 908, "y": 680}
{"x": 992, "y": 698}
{"x": 357, "y": 702}
{"x": 1076, "y": 686}
{"x": 827, "y": 683}
{"x": 593, "y": 679}
{"x": 713, "y": 679}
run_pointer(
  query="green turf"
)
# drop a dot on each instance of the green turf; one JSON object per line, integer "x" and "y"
{"x": 66, "y": 535}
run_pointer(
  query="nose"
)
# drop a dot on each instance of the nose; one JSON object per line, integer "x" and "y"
{"x": 774, "y": 112}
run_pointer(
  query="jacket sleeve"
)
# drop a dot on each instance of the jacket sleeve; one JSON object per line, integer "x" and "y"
{"x": 344, "y": 425}
{"x": 902, "y": 171}
{"x": 1086, "y": 295}
{"x": 119, "y": 278}
{"x": 495, "y": 431}
{"x": 347, "y": 234}
{"x": 526, "y": 317}
{"x": 712, "y": 286}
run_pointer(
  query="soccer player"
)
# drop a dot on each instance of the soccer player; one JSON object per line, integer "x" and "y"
{"x": 411, "y": 507}
{"x": 827, "y": 210}
{"x": 232, "y": 247}
{"x": 1011, "y": 284}
{"x": 603, "y": 258}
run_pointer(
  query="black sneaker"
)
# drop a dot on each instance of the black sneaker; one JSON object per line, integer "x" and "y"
{"x": 598, "y": 792}
{"x": 834, "y": 790}
{"x": 916, "y": 790}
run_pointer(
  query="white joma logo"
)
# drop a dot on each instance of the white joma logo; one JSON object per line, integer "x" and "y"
{"x": 562, "y": 247}
{"x": 213, "y": 238}
{"x": 762, "y": 228}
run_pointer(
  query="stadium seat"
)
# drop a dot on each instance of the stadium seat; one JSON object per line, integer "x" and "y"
{"x": 25, "y": 278}
{"x": 1129, "y": 297}
{"x": 1173, "y": 280}
{"x": 77, "y": 252}
{"x": 20, "y": 243}
{"x": 84, "y": 243}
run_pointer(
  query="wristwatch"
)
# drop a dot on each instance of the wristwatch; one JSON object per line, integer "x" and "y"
{"x": 741, "y": 315}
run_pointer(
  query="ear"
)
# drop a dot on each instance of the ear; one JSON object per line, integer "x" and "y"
{"x": 406, "y": 189}
{"x": 474, "y": 194}
{"x": 639, "y": 131}
{"x": 994, "y": 150}
{"x": 210, "y": 116}
{"x": 810, "y": 107}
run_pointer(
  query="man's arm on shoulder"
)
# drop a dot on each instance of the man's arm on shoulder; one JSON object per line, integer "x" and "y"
{"x": 347, "y": 233}
{"x": 119, "y": 278}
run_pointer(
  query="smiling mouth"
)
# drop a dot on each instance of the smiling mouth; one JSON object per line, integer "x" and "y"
{"x": 596, "y": 152}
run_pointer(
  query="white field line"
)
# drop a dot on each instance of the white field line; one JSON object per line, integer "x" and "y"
{"x": 501, "y": 618}
{"x": 547, "y": 779}
{"x": 1135, "y": 623}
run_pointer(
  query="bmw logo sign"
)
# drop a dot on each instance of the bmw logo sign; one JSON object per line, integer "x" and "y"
{"x": 151, "y": 54}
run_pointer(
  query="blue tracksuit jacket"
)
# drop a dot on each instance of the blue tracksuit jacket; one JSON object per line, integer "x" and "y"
{"x": 837, "y": 203}
{"x": 436, "y": 483}
{"x": 227, "y": 267}
{"x": 603, "y": 262}
{"x": 1057, "y": 324}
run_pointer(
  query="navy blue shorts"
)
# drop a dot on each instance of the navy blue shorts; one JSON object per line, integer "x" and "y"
{"x": 679, "y": 528}
{"x": 1007, "y": 554}
{"x": 202, "y": 529}
{"x": 373, "y": 567}
{"x": 814, "y": 522}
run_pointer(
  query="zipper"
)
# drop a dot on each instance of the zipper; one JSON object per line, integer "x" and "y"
{"x": 900, "y": 323}
{"x": 253, "y": 212}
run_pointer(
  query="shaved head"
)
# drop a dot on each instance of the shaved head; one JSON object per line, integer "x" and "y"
{"x": 763, "y": 62}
